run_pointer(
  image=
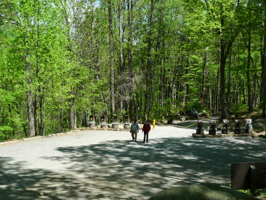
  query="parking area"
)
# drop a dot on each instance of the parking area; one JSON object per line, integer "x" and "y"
{"x": 108, "y": 165}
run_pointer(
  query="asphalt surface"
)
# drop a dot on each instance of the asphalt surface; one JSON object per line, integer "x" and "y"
{"x": 108, "y": 165}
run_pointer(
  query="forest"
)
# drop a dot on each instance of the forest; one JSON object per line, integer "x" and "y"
{"x": 65, "y": 60}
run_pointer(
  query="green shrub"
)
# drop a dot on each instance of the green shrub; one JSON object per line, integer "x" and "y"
{"x": 5, "y": 132}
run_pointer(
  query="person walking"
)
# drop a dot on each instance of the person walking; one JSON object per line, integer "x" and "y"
{"x": 146, "y": 129}
{"x": 134, "y": 129}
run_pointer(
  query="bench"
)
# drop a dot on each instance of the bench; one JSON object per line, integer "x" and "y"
{"x": 248, "y": 175}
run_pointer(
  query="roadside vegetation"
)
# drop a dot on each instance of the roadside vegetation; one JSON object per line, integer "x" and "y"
{"x": 63, "y": 61}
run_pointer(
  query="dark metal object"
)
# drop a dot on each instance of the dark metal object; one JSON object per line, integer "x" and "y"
{"x": 103, "y": 121}
{"x": 92, "y": 121}
{"x": 91, "y": 124}
{"x": 115, "y": 125}
{"x": 248, "y": 176}
{"x": 237, "y": 126}
{"x": 126, "y": 125}
{"x": 213, "y": 129}
{"x": 126, "y": 122}
{"x": 200, "y": 128}
{"x": 103, "y": 125}
{"x": 225, "y": 127}
{"x": 103, "y": 118}
{"x": 92, "y": 118}
{"x": 248, "y": 126}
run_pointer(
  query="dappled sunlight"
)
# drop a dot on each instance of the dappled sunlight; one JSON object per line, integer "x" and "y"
{"x": 189, "y": 157}
{"x": 121, "y": 169}
{"x": 165, "y": 163}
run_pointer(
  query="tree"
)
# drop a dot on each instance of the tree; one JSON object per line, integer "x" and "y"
{"x": 111, "y": 52}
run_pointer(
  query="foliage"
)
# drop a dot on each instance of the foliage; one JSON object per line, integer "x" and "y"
{"x": 239, "y": 107}
{"x": 167, "y": 57}
{"x": 195, "y": 104}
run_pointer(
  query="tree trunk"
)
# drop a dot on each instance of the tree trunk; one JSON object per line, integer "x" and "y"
{"x": 263, "y": 73}
{"x": 250, "y": 104}
{"x": 62, "y": 116}
{"x": 204, "y": 78}
{"x": 35, "y": 108}
{"x": 162, "y": 85}
{"x": 222, "y": 80}
{"x": 72, "y": 115}
{"x": 121, "y": 66}
{"x": 244, "y": 91}
{"x": 31, "y": 123}
{"x": 187, "y": 85}
{"x": 226, "y": 46}
{"x": 120, "y": 36}
{"x": 148, "y": 71}
{"x": 111, "y": 54}
{"x": 30, "y": 99}
{"x": 217, "y": 105}
{"x": 210, "y": 93}
{"x": 255, "y": 93}
{"x": 42, "y": 116}
{"x": 130, "y": 54}
{"x": 237, "y": 89}
{"x": 228, "y": 94}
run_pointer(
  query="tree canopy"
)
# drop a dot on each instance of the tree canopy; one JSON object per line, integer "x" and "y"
{"x": 63, "y": 61}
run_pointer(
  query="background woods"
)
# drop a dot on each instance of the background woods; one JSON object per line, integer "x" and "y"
{"x": 65, "y": 60}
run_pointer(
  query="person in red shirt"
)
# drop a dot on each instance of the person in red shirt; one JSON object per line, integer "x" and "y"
{"x": 146, "y": 129}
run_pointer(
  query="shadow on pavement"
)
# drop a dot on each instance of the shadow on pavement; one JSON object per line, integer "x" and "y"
{"x": 128, "y": 170}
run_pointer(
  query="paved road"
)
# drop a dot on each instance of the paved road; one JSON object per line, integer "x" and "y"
{"x": 107, "y": 165}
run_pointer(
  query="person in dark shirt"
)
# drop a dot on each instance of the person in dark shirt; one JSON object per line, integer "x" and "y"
{"x": 146, "y": 129}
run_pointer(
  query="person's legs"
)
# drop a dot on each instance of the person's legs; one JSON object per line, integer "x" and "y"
{"x": 136, "y": 134}
{"x": 132, "y": 135}
{"x": 147, "y": 135}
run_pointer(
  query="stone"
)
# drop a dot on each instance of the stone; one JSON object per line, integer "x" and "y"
{"x": 205, "y": 191}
